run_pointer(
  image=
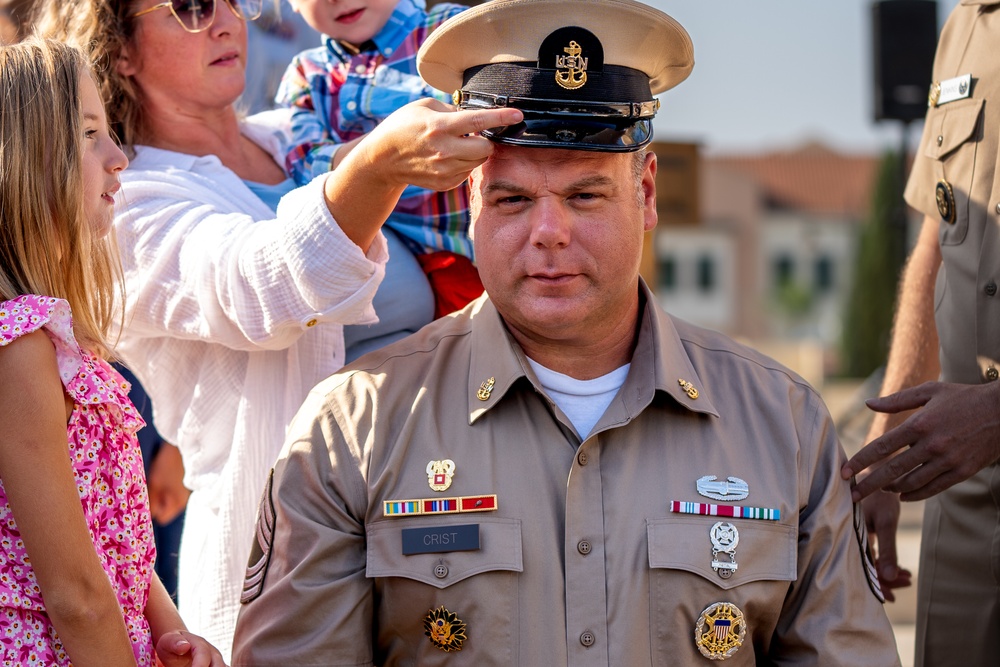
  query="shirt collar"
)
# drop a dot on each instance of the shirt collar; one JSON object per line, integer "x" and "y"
{"x": 405, "y": 18}
{"x": 659, "y": 363}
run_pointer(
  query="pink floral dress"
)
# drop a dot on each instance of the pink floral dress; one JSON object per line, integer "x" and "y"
{"x": 107, "y": 464}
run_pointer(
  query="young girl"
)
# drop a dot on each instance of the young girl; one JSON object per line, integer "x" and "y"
{"x": 76, "y": 548}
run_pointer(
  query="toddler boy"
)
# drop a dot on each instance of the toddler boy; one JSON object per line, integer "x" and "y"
{"x": 365, "y": 70}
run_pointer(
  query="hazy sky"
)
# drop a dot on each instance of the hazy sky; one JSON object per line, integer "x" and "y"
{"x": 774, "y": 73}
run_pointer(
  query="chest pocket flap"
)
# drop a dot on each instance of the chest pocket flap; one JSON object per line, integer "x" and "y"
{"x": 952, "y": 124}
{"x": 766, "y": 551}
{"x": 499, "y": 549}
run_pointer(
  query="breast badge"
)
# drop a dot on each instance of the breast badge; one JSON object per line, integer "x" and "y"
{"x": 445, "y": 629}
{"x": 945, "y": 198}
{"x": 439, "y": 474}
{"x": 733, "y": 488}
{"x": 720, "y": 631}
{"x": 724, "y": 538}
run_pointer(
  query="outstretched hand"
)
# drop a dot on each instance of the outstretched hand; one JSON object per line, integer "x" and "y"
{"x": 429, "y": 144}
{"x": 183, "y": 649}
{"x": 954, "y": 435}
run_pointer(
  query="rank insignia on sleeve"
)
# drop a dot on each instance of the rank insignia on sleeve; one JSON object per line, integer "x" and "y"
{"x": 720, "y": 630}
{"x": 260, "y": 553}
{"x": 439, "y": 474}
{"x": 861, "y": 530}
{"x": 445, "y": 629}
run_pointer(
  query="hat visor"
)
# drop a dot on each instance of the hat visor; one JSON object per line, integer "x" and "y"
{"x": 584, "y": 134}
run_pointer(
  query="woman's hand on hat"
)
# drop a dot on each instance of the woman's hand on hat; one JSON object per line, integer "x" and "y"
{"x": 430, "y": 144}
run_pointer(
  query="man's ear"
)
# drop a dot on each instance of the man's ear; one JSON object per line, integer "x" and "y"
{"x": 475, "y": 203}
{"x": 125, "y": 66}
{"x": 649, "y": 192}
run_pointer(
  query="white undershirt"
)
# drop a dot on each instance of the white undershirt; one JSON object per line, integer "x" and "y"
{"x": 583, "y": 401}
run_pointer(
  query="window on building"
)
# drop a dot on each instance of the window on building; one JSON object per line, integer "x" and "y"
{"x": 824, "y": 270}
{"x": 706, "y": 273}
{"x": 784, "y": 270}
{"x": 668, "y": 273}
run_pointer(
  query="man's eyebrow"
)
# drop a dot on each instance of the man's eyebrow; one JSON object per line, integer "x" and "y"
{"x": 505, "y": 186}
{"x": 593, "y": 181}
{"x": 596, "y": 180}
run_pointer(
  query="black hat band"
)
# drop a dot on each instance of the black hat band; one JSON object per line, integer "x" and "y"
{"x": 528, "y": 81}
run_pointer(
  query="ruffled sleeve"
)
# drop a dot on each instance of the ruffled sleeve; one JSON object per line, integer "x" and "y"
{"x": 88, "y": 380}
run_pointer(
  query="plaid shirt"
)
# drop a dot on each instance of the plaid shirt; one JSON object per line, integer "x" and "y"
{"x": 338, "y": 97}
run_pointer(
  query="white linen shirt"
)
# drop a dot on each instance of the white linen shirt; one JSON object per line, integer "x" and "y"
{"x": 232, "y": 316}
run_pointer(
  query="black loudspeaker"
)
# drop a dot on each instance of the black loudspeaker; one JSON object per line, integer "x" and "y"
{"x": 904, "y": 33}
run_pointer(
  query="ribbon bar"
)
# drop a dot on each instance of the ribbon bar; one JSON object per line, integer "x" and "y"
{"x": 734, "y": 511}
{"x": 425, "y": 506}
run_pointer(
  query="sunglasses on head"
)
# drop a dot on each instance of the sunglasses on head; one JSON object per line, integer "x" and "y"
{"x": 198, "y": 15}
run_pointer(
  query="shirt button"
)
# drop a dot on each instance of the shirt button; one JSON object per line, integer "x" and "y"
{"x": 440, "y": 570}
{"x": 587, "y": 638}
{"x": 940, "y": 140}
{"x": 998, "y": 208}
{"x": 388, "y": 52}
{"x": 990, "y": 289}
{"x": 992, "y": 374}
{"x": 360, "y": 69}
{"x": 352, "y": 105}
{"x": 583, "y": 547}
{"x": 582, "y": 458}
{"x": 312, "y": 322}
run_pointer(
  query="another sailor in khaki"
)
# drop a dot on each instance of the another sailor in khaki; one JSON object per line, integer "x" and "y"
{"x": 945, "y": 358}
{"x": 562, "y": 473}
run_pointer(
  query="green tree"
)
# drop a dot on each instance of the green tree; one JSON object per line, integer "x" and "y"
{"x": 871, "y": 304}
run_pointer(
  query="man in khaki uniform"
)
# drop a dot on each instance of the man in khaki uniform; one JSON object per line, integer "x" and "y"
{"x": 951, "y": 445}
{"x": 561, "y": 473}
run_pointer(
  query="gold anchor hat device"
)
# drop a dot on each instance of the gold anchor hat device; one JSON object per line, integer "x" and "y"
{"x": 584, "y": 72}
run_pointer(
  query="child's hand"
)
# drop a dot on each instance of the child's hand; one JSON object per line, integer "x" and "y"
{"x": 183, "y": 649}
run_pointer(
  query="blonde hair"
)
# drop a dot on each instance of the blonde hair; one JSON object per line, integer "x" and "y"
{"x": 102, "y": 29}
{"x": 47, "y": 245}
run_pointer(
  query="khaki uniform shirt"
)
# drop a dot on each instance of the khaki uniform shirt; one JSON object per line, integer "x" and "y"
{"x": 957, "y": 600}
{"x": 960, "y": 147}
{"x": 582, "y": 562}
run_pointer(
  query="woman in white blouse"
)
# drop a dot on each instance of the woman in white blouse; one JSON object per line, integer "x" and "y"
{"x": 234, "y": 310}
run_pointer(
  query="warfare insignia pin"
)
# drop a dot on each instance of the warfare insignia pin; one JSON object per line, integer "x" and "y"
{"x": 439, "y": 474}
{"x": 445, "y": 629}
{"x": 732, "y": 489}
{"x": 945, "y": 198}
{"x": 485, "y": 389}
{"x": 720, "y": 630}
{"x": 688, "y": 388}
{"x": 571, "y": 69}
{"x": 724, "y": 538}
{"x": 934, "y": 94}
